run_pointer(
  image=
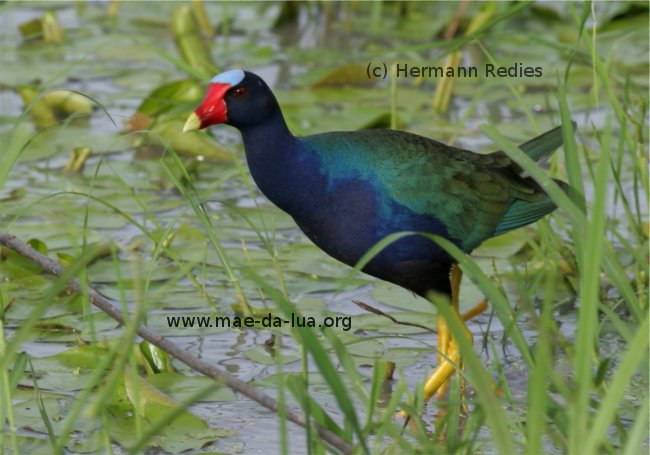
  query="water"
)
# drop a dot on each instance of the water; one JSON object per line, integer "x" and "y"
{"x": 118, "y": 64}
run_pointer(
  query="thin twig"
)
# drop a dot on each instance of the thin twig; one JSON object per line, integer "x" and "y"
{"x": 370, "y": 309}
{"x": 101, "y": 302}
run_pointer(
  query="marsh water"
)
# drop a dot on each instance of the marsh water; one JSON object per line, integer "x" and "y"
{"x": 119, "y": 60}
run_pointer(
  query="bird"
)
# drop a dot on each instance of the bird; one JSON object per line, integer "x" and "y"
{"x": 348, "y": 190}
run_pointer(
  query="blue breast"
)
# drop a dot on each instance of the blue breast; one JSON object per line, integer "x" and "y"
{"x": 345, "y": 212}
{"x": 337, "y": 201}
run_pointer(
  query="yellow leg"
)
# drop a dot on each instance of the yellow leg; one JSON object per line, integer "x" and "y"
{"x": 443, "y": 349}
{"x": 475, "y": 311}
{"x": 449, "y": 352}
{"x": 443, "y": 345}
{"x": 438, "y": 381}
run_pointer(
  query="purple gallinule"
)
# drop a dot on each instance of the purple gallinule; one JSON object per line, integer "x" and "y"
{"x": 348, "y": 190}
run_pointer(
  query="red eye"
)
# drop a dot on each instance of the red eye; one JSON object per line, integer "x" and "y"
{"x": 240, "y": 92}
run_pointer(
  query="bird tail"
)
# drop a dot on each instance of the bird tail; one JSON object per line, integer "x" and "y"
{"x": 525, "y": 211}
{"x": 544, "y": 144}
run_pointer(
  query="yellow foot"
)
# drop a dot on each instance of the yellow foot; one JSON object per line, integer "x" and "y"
{"x": 449, "y": 357}
{"x": 439, "y": 379}
{"x": 448, "y": 351}
{"x": 473, "y": 312}
{"x": 450, "y": 354}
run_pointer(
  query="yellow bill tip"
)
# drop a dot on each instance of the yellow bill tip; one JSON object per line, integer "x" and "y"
{"x": 192, "y": 123}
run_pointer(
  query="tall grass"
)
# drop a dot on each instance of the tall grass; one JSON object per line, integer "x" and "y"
{"x": 574, "y": 414}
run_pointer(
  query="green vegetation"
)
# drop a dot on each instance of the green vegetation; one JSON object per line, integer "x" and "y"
{"x": 94, "y": 172}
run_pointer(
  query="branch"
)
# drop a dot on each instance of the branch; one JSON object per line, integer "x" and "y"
{"x": 171, "y": 348}
{"x": 371, "y": 309}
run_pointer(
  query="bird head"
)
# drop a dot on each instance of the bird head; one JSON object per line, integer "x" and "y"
{"x": 236, "y": 97}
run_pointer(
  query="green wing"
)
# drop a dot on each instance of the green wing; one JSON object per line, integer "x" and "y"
{"x": 475, "y": 196}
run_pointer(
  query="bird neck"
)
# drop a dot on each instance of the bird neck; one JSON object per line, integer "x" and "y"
{"x": 267, "y": 140}
{"x": 271, "y": 152}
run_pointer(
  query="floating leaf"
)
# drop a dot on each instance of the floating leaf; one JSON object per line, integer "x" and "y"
{"x": 77, "y": 159}
{"x": 378, "y": 323}
{"x": 54, "y": 105}
{"x": 261, "y": 355}
{"x": 182, "y": 387}
{"x": 52, "y": 30}
{"x": 41, "y": 113}
{"x": 165, "y": 99}
{"x": 46, "y": 28}
{"x": 66, "y": 102}
{"x": 397, "y": 297}
{"x": 38, "y": 245}
{"x": 54, "y": 327}
{"x": 157, "y": 360}
{"x": 194, "y": 144}
{"x": 347, "y": 74}
{"x": 185, "y": 431}
{"x": 31, "y": 29}
{"x": 504, "y": 246}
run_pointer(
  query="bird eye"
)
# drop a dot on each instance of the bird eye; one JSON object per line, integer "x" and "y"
{"x": 240, "y": 92}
